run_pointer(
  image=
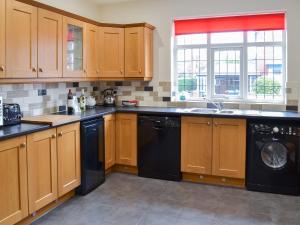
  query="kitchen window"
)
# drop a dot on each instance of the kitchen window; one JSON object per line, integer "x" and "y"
{"x": 239, "y": 58}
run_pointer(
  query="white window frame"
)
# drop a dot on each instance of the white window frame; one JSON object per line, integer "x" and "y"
{"x": 243, "y": 97}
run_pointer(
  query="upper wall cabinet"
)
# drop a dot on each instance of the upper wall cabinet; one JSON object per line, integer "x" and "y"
{"x": 49, "y": 44}
{"x": 139, "y": 52}
{"x": 21, "y": 40}
{"x": 73, "y": 48}
{"x": 111, "y": 51}
{"x": 92, "y": 65}
{"x": 2, "y": 39}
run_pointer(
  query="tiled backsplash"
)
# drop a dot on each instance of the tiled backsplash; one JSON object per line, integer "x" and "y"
{"x": 36, "y": 99}
{"x": 160, "y": 95}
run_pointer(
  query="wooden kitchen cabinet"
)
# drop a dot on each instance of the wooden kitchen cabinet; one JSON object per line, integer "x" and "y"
{"x": 110, "y": 140}
{"x": 42, "y": 169}
{"x": 68, "y": 157}
{"x": 13, "y": 177}
{"x": 74, "y": 57}
{"x": 196, "y": 145}
{"x": 126, "y": 139}
{"x": 2, "y": 39}
{"x": 229, "y": 148}
{"x": 21, "y": 40}
{"x": 49, "y": 44}
{"x": 92, "y": 47}
{"x": 138, "y": 52}
{"x": 111, "y": 52}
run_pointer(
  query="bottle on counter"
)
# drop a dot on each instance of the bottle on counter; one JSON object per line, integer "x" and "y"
{"x": 82, "y": 101}
{"x": 70, "y": 102}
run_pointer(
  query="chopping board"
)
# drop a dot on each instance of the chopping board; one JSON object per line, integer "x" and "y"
{"x": 53, "y": 120}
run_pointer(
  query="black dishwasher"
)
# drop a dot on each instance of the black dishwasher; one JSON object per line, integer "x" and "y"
{"x": 92, "y": 155}
{"x": 159, "y": 147}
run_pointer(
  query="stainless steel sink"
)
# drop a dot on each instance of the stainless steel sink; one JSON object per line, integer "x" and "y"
{"x": 204, "y": 110}
{"x": 226, "y": 111}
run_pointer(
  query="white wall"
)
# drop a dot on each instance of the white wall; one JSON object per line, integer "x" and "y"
{"x": 161, "y": 13}
{"x": 80, "y": 7}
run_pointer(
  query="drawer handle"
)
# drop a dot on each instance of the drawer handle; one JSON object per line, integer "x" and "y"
{"x": 208, "y": 123}
{"x": 140, "y": 71}
{"x": 60, "y": 134}
{"x": 1, "y": 68}
{"x": 40, "y": 70}
{"x": 53, "y": 136}
{"x": 23, "y": 145}
{"x": 33, "y": 69}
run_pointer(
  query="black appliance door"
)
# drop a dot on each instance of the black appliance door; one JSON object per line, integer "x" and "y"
{"x": 272, "y": 163}
{"x": 159, "y": 147}
{"x": 92, "y": 155}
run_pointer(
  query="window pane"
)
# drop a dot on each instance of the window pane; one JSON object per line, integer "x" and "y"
{"x": 191, "y": 82}
{"x": 227, "y": 72}
{"x": 227, "y": 37}
{"x": 265, "y": 74}
{"x": 192, "y": 39}
{"x": 180, "y": 55}
{"x": 264, "y": 36}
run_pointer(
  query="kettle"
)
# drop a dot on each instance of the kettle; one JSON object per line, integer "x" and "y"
{"x": 109, "y": 97}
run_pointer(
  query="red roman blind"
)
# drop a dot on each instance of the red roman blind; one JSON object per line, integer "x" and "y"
{"x": 275, "y": 21}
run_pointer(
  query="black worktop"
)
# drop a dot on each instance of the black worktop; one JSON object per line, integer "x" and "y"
{"x": 246, "y": 114}
{"x": 27, "y": 128}
{"x": 20, "y": 129}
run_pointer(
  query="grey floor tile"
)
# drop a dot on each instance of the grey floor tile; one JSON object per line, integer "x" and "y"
{"x": 131, "y": 200}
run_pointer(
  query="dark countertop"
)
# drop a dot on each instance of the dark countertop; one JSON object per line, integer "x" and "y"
{"x": 27, "y": 128}
{"x": 247, "y": 114}
{"x": 20, "y": 129}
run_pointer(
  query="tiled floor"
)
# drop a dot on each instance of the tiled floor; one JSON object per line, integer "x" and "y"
{"x": 131, "y": 200}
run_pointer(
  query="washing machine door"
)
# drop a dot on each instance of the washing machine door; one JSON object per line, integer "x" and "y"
{"x": 274, "y": 155}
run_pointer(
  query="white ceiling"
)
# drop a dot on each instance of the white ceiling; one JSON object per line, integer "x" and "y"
{"x": 102, "y": 2}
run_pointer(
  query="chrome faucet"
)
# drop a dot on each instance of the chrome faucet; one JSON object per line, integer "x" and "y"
{"x": 218, "y": 105}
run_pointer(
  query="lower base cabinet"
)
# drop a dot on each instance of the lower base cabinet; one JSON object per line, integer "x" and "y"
{"x": 126, "y": 139}
{"x": 214, "y": 146}
{"x": 68, "y": 157}
{"x": 13, "y": 178}
{"x": 37, "y": 169}
{"x": 42, "y": 169}
{"x": 110, "y": 140}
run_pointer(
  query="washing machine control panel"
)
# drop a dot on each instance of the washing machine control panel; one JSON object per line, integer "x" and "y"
{"x": 275, "y": 129}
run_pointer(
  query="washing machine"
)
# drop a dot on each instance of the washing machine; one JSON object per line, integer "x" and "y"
{"x": 273, "y": 156}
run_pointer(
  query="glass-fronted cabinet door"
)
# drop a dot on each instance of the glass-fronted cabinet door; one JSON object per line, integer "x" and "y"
{"x": 74, "y": 48}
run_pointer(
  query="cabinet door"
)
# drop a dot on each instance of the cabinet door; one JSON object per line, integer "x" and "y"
{"x": 49, "y": 44}
{"x": 126, "y": 139}
{"x": 229, "y": 148}
{"x": 13, "y": 177}
{"x": 42, "y": 169}
{"x": 2, "y": 39}
{"x": 134, "y": 52}
{"x": 196, "y": 145}
{"x": 110, "y": 140}
{"x": 92, "y": 69}
{"x": 73, "y": 48}
{"x": 111, "y": 50}
{"x": 21, "y": 40}
{"x": 68, "y": 157}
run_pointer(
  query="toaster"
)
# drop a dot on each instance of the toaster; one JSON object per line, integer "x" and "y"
{"x": 11, "y": 114}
